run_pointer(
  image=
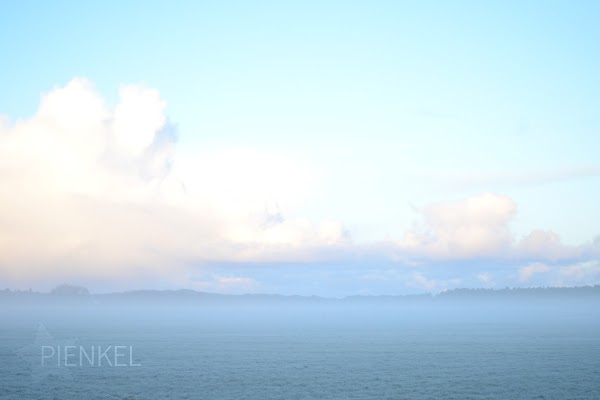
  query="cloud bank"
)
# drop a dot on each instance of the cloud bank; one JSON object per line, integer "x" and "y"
{"x": 473, "y": 227}
{"x": 93, "y": 190}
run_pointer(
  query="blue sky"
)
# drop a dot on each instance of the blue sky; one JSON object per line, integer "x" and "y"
{"x": 383, "y": 147}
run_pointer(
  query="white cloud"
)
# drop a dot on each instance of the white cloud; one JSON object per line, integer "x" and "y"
{"x": 474, "y": 227}
{"x": 137, "y": 118}
{"x": 585, "y": 273}
{"x": 419, "y": 281}
{"x": 545, "y": 245}
{"x": 93, "y": 190}
{"x": 486, "y": 279}
{"x": 526, "y": 273}
{"x": 479, "y": 227}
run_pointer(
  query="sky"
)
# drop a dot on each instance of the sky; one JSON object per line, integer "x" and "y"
{"x": 315, "y": 148}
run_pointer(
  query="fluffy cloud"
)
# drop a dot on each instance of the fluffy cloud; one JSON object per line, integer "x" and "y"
{"x": 94, "y": 190}
{"x": 578, "y": 274}
{"x": 81, "y": 181}
{"x": 478, "y": 227}
{"x": 474, "y": 227}
{"x": 545, "y": 245}
{"x": 581, "y": 273}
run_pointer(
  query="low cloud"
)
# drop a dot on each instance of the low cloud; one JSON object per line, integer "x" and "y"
{"x": 579, "y": 274}
{"x": 473, "y": 227}
{"x": 478, "y": 227}
{"x": 526, "y": 273}
{"x": 419, "y": 281}
{"x": 486, "y": 280}
{"x": 228, "y": 285}
{"x": 545, "y": 245}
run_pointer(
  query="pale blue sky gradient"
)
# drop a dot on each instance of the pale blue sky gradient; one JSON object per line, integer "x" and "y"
{"x": 396, "y": 104}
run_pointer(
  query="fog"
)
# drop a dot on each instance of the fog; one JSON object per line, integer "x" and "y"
{"x": 185, "y": 344}
{"x": 170, "y": 312}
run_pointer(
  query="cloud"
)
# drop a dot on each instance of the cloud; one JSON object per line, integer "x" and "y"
{"x": 473, "y": 227}
{"x": 419, "y": 281}
{"x": 526, "y": 273}
{"x": 137, "y": 118}
{"x": 581, "y": 273}
{"x": 228, "y": 284}
{"x": 478, "y": 227}
{"x": 486, "y": 279}
{"x": 90, "y": 189}
{"x": 545, "y": 245}
{"x": 97, "y": 191}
